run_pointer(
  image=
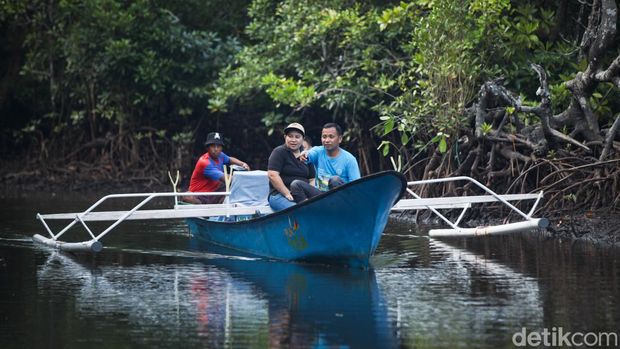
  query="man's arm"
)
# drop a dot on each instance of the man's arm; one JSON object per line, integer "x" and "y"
{"x": 354, "y": 169}
{"x": 238, "y": 162}
{"x": 212, "y": 172}
{"x": 310, "y": 156}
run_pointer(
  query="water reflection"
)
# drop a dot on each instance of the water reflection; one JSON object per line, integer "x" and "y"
{"x": 453, "y": 298}
{"x": 457, "y": 298}
{"x": 227, "y": 302}
{"x": 315, "y": 306}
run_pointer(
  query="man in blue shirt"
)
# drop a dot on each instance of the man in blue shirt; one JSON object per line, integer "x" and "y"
{"x": 334, "y": 165}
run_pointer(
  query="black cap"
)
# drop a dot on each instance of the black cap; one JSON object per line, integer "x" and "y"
{"x": 214, "y": 138}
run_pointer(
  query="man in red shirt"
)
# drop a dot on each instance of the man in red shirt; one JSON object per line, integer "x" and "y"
{"x": 208, "y": 175}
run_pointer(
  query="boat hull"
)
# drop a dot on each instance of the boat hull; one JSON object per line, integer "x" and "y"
{"x": 343, "y": 225}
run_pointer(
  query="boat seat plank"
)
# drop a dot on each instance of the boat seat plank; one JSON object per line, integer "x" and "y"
{"x": 164, "y": 213}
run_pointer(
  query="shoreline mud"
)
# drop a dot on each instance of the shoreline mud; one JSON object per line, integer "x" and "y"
{"x": 600, "y": 227}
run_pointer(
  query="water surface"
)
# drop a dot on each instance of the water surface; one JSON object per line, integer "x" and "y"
{"x": 152, "y": 288}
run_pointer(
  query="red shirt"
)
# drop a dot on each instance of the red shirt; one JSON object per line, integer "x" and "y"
{"x": 207, "y": 173}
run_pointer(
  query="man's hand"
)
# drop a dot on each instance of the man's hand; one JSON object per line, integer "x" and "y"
{"x": 303, "y": 156}
{"x": 239, "y": 163}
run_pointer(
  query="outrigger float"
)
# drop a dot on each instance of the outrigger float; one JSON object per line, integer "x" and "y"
{"x": 343, "y": 225}
{"x": 466, "y": 202}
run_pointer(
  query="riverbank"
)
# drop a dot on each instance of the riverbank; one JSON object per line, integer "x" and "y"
{"x": 601, "y": 227}
{"x": 17, "y": 183}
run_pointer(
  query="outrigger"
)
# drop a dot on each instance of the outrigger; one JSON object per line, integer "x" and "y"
{"x": 466, "y": 202}
{"x": 342, "y": 225}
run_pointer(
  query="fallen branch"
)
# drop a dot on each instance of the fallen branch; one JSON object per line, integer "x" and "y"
{"x": 609, "y": 139}
{"x": 559, "y": 135}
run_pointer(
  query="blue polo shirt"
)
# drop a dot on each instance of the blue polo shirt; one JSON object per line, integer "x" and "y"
{"x": 344, "y": 166}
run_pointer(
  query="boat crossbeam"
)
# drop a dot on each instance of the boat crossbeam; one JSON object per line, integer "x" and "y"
{"x": 94, "y": 244}
{"x": 465, "y": 202}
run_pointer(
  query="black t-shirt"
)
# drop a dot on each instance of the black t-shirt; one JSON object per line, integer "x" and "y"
{"x": 290, "y": 168}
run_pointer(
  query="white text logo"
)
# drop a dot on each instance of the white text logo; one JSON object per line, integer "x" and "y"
{"x": 557, "y": 337}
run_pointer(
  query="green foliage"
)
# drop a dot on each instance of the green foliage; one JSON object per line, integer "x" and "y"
{"x": 287, "y": 91}
{"x": 111, "y": 64}
{"x": 407, "y": 70}
{"x": 325, "y": 54}
{"x": 448, "y": 51}
{"x": 570, "y": 197}
{"x": 414, "y": 65}
{"x": 516, "y": 41}
{"x": 182, "y": 137}
{"x": 272, "y": 121}
{"x": 442, "y": 140}
{"x": 486, "y": 128}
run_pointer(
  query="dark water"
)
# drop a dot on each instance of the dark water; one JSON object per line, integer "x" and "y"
{"x": 150, "y": 289}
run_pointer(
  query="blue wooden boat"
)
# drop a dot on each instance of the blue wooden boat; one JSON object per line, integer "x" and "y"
{"x": 342, "y": 226}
